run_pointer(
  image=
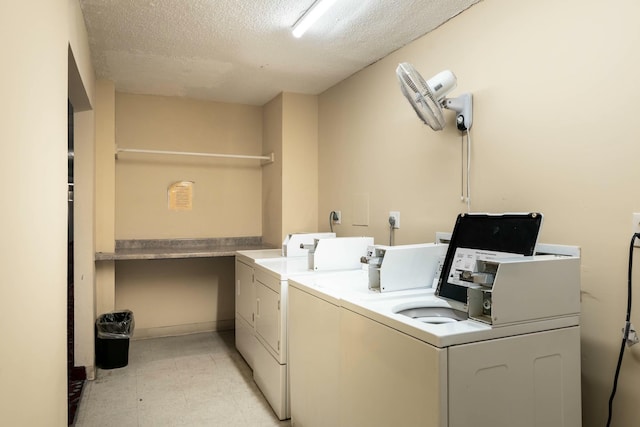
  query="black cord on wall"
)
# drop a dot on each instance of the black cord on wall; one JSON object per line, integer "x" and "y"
{"x": 392, "y": 224}
{"x": 627, "y": 327}
{"x": 333, "y": 216}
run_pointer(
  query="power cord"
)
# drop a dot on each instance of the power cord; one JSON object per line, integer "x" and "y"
{"x": 392, "y": 223}
{"x": 628, "y": 329}
{"x": 333, "y": 216}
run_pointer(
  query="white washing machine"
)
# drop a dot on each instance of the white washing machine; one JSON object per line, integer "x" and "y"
{"x": 504, "y": 352}
{"x": 314, "y": 321}
{"x": 425, "y": 367}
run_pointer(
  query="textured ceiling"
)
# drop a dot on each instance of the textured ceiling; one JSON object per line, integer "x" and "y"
{"x": 242, "y": 51}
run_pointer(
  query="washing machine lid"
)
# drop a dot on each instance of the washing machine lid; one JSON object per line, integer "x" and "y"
{"x": 505, "y": 234}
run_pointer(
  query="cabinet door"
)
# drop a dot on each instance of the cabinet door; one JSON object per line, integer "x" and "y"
{"x": 268, "y": 324}
{"x": 245, "y": 292}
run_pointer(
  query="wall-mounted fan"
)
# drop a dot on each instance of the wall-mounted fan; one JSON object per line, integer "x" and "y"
{"x": 428, "y": 97}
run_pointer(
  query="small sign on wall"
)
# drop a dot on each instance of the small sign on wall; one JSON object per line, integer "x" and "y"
{"x": 180, "y": 196}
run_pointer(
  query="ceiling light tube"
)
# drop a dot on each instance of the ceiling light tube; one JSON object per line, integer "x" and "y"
{"x": 312, "y": 14}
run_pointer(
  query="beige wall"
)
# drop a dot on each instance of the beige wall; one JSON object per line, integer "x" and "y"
{"x": 272, "y": 114}
{"x": 226, "y": 192}
{"x": 105, "y": 193}
{"x": 105, "y": 166}
{"x": 179, "y": 296}
{"x": 84, "y": 241}
{"x": 82, "y": 93}
{"x": 290, "y": 184}
{"x": 231, "y": 198}
{"x": 34, "y": 134}
{"x": 79, "y": 51}
{"x": 81, "y": 82}
{"x": 173, "y": 297}
{"x": 556, "y": 93}
{"x": 300, "y": 163}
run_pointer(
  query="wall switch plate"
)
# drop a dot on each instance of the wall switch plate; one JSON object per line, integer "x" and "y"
{"x": 635, "y": 228}
{"x": 360, "y": 213}
{"x": 395, "y": 215}
{"x": 337, "y": 217}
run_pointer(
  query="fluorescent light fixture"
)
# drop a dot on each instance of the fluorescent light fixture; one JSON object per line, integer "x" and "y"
{"x": 317, "y": 9}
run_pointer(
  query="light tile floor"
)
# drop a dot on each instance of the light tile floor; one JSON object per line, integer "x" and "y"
{"x": 191, "y": 380}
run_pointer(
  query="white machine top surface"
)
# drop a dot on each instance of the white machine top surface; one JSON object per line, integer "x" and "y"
{"x": 257, "y": 254}
{"x": 334, "y": 286}
{"x": 445, "y": 334}
{"x": 282, "y": 268}
{"x": 350, "y": 290}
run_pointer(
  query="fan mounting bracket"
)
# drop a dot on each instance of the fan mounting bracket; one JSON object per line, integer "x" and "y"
{"x": 463, "y": 106}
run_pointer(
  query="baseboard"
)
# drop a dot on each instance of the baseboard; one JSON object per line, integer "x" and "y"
{"x": 175, "y": 330}
{"x": 91, "y": 372}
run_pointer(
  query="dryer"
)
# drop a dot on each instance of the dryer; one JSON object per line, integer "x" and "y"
{"x": 267, "y": 335}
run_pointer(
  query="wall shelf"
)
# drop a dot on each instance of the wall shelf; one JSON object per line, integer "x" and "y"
{"x": 266, "y": 159}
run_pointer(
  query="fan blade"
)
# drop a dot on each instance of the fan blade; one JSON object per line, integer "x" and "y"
{"x": 420, "y": 96}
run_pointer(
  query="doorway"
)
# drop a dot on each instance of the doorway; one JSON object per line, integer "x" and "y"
{"x": 75, "y": 375}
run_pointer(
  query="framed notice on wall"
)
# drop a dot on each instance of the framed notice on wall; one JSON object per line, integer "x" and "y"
{"x": 180, "y": 196}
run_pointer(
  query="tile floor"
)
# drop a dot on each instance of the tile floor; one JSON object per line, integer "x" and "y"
{"x": 191, "y": 380}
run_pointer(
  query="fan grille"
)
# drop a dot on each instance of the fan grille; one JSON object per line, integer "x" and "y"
{"x": 420, "y": 96}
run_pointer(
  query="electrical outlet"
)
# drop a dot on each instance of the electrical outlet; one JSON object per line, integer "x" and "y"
{"x": 337, "y": 217}
{"x": 632, "y": 338}
{"x": 396, "y": 216}
{"x": 635, "y": 228}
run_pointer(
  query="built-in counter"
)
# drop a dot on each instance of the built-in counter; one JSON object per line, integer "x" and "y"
{"x": 136, "y": 249}
{"x": 173, "y": 286}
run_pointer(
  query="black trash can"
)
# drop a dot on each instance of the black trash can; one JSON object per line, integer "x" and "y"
{"x": 113, "y": 332}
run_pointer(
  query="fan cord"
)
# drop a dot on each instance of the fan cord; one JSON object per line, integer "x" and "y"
{"x": 627, "y": 327}
{"x": 468, "y": 170}
{"x": 462, "y": 166}
{"x": 466, "y": 199}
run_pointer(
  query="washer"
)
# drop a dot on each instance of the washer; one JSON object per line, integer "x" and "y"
{"x": 513, "y": 362}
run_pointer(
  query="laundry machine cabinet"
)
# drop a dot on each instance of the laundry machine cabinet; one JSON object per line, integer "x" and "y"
{"x": 245, "y": 307}
{"x": 245, "y": 299}
{"x": 388, "y": 378}
{"x": 270, "y": 318}
{"x": 528, "y": 380}
{"x": 270, "y": 362}
{"x": 314, "y": 358}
